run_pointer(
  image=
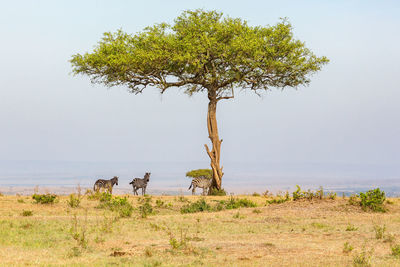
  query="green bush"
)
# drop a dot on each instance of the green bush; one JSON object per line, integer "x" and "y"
{"x": 117, "y": 204}
{"x": 298, "y": 194}
{"x": 145, "y": 207}
{"x": 104, "y": 197}
{"x": 347, "y": 248}
{"x": 73, "y": 201}
{"x": 279, "y": 199}
{"x": 373, "y": 200}
{"x": 396, "y": 250}
{"x": 198, "y": 206}
{"x": 44, "y": 199}
{"x": 27, "y": 213}
{"x": 216, "y": 192}
{"x": 235, "y": 203}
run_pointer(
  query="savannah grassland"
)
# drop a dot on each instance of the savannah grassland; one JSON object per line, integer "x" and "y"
{"x": 295, "y": 233}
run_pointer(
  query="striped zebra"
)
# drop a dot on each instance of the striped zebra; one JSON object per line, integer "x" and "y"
{"x": 106, "y": 184}
{"x": 201, "y": 182}
{"x": 140, "y": 183}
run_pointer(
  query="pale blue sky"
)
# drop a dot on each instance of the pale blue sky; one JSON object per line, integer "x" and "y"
{"x": 349, "y": 113}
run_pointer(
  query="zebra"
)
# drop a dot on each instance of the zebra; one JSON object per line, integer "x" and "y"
{"x": 202, "y": 182}
{"x": 106, "y": 184}
{"x": 140, "y": 183}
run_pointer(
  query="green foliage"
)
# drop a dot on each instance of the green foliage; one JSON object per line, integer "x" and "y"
{"x": 347, "y": 248}
{"x": 235, "y": 203}
{"x": 354, "y": 200}
{"x": 162, "y": 204}
{"x": 120, "y": 205}
{"x": 145, "y": 207}
{"x": 20, "y": 200}
{"x": 102, "y": 196}
{"x": 27, "y": 213}
{"x": 198, "y": 206}
{"x": 44, "y": 199}
{"x": 298, "y": 194}
{"x": 207, "y": 173}
{"x": 279, "y": 199}
{"x": 363, "y": 259}
{"x": 238, "y": 216}
{"x": 373, "y": 200}
{"x": 78, "y": 231}
{"x": 73, "y": 201}
{"x": 255, "y": 194}
{"x": 396, "y": 250}
{"x": 379, "y": 231}
{"x": 332, "y": 195}
{"x": 201, "y": 51}
{"x": 216, "y": 192}
{"x": 351, "y": 227}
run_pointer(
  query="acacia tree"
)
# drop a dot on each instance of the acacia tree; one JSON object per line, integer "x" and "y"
{"x": 202, "y": 52}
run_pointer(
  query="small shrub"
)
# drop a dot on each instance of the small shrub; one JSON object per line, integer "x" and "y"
{"x": 117, "y": 204}
{"x": 21, "y": 200}
{"x": 320, "y": 193}
{"x": 379, "y": 231}
{"x": 44, "y": 199}
{"x": 235, "y": 203}
{"x": 255, "y": 194}
{"x": 298, "y": 194}
{"x": 145, "y": 207}
{"x": 332, "y": 195}
{"x": 27, "y": 213}
{"x": 73, "y": 201}
{"x": 279, "y": 199}
{"x": 257, "y": 211}
{"x": 351, "y": 227}
{"x": 75, "y": 252}
{"x": 182, "y": 199}
{"x": 396, "y": 250}
{"x": 373, "y": 200}
{"x": 238, "y": 216}
{"x": 78, "y": 231}
{"x": 362, "y": 260}
{"x": 198, "y": 206}
{"x": 216, "y": 192}
{"x": 347, "y": 248}
{"x": 354, "y": 200}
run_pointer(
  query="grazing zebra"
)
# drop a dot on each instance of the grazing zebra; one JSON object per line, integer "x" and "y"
{"x": 140, "y": 183}
{"x": 106, "y": 184}
{"x": 201, "y": 182}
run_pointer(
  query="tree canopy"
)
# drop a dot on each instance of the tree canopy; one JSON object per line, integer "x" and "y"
{"x": 201, "y": 50}
{"x": 206, "y": 173}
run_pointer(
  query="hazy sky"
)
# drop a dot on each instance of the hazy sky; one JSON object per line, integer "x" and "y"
{"x": 349, "y": 113}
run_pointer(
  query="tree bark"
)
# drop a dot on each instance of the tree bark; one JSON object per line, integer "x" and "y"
{"x": 215, "y": 152}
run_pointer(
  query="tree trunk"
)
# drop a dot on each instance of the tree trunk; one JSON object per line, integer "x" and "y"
{"x": 215, "y": 152}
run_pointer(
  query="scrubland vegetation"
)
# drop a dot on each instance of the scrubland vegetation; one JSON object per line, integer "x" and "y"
{"x": 300, "y": 228}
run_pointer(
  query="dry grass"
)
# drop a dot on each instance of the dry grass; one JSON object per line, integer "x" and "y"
{"x": 303, "y": 233}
